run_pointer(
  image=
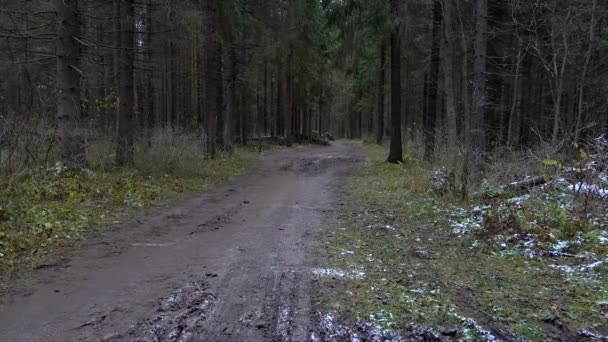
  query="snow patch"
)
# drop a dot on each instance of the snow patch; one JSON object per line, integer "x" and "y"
{"x": 337, "y": 273}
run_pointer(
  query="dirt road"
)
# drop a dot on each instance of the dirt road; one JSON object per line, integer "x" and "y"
{"x": 232, "y": 264}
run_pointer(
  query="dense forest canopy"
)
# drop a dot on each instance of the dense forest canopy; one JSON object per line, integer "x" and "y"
{"x": 473, "y": 75}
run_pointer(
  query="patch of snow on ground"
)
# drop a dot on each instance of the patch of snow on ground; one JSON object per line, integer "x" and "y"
{"x": 336, "y": 273}
{"x": 580, "y": 269}
{"x": 590, "y": 189}
{"x": 475, "y": 327}
{"x": 381, "y": 226}
{"x": 603, "y": 238}
{"x": 560, "y": 246}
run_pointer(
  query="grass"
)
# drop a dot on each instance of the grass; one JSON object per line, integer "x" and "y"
{"x": 421, "y": 272}
{"x": 45, "y": 207}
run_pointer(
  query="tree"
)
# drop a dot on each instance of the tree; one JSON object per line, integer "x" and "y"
{"x": 380, "y": 95}
{"x": 395, "y": 154}
{"x": 213, "y": 79}
{"x": 69, "y": 77}
{"x": 448, "y": 73}
{"x": 478, "y": 134}
{"x": 126, "y": 115}
{"x": 433, "y": 82}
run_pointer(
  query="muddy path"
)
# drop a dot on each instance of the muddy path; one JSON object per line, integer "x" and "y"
{"x": 232, "y": 264}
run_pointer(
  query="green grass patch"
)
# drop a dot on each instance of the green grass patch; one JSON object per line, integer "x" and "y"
{"x": 49, "y": 206}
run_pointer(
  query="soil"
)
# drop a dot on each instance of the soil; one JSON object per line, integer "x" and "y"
{"x": 232, "y": 264}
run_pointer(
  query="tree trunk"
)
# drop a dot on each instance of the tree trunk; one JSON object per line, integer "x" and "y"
{"x": 581, "y": 86}
{"x": 396, "y": 150}
{"x": 126, "y": 122}
{"x": 213, "y": 87}
{"x": 448, "y": 73}
{"x": 430, "y": 120}
{"x": 478, "y": 134}
{"x": 466, "y": 105}
{"x": 280, "y": 105}
{"x": 71, "y": 141}
{"x": 512, "y": 138}
{"x": 381, "y": 81}
{"x": 558, "y": 93}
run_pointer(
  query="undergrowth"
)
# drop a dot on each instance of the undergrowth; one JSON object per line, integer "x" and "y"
{"x": 46, "y": 206}
{"x": 481, "y": 284}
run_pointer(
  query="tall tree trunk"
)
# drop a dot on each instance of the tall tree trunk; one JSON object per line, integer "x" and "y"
{"x": 280, "y": 105}
{"x": 396, "y": 149}
{"x": 265, "y": 110}
{"x": 512, "y": 127}
{"x": 466, "y": 105}
{"x": 448, "y": 73}
{"x": 231, "y": 101}
{"x": 558, "y": 91}
{"x": 380, "y": 95}
{"x": 70, "y": 133}
{"x": 583, "y": 79}
{"x": 213, "y": 79}
{"x": 320, "y": 124}
{"x": 478, "y": 134}
{"x": 430, "y": 120}
{"x": 273, "y": 106}
{"x": 126, "y": 117}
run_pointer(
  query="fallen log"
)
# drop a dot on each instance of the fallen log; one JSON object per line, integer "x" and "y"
{"x": 528, "y": 183}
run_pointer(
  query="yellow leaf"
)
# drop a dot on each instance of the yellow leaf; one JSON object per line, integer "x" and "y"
{"x": 551, "y": 162}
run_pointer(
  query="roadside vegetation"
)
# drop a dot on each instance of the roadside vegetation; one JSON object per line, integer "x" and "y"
{"x": 45, "y": 205}
{"x": 507, "y": 263}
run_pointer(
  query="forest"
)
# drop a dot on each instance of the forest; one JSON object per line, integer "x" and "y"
{"x": 481, "y": 75}
{"x": 469, "y": 139}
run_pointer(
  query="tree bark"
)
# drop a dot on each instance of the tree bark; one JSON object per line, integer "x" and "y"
{"x": 381, "y": 81}
{"x": 396, "y": 149}
{"x": 213, "y": 79}
{"x": 430, "y": 120}
{"x": 126, "y": 122}
{"x": 478, "y": 134}
{"x": 583, "y": 79}
{"x": 71, "y": 141}
{"x": 448, "y": 74}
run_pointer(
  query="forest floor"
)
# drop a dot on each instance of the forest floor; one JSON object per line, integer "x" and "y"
{"x": 230, "y": 264}
{"x": 408, "y": 264}
{"x": 329, "y": 243}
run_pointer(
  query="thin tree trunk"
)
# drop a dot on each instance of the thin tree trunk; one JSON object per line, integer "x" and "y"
{"x": 559, "y": 73}
{"x": 381, "y": 81}
{"x": 515, "y": 105}
{"x": 396, "y": 149}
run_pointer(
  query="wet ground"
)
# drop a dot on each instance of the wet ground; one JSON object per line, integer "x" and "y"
{"x": 233, "y": 264}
